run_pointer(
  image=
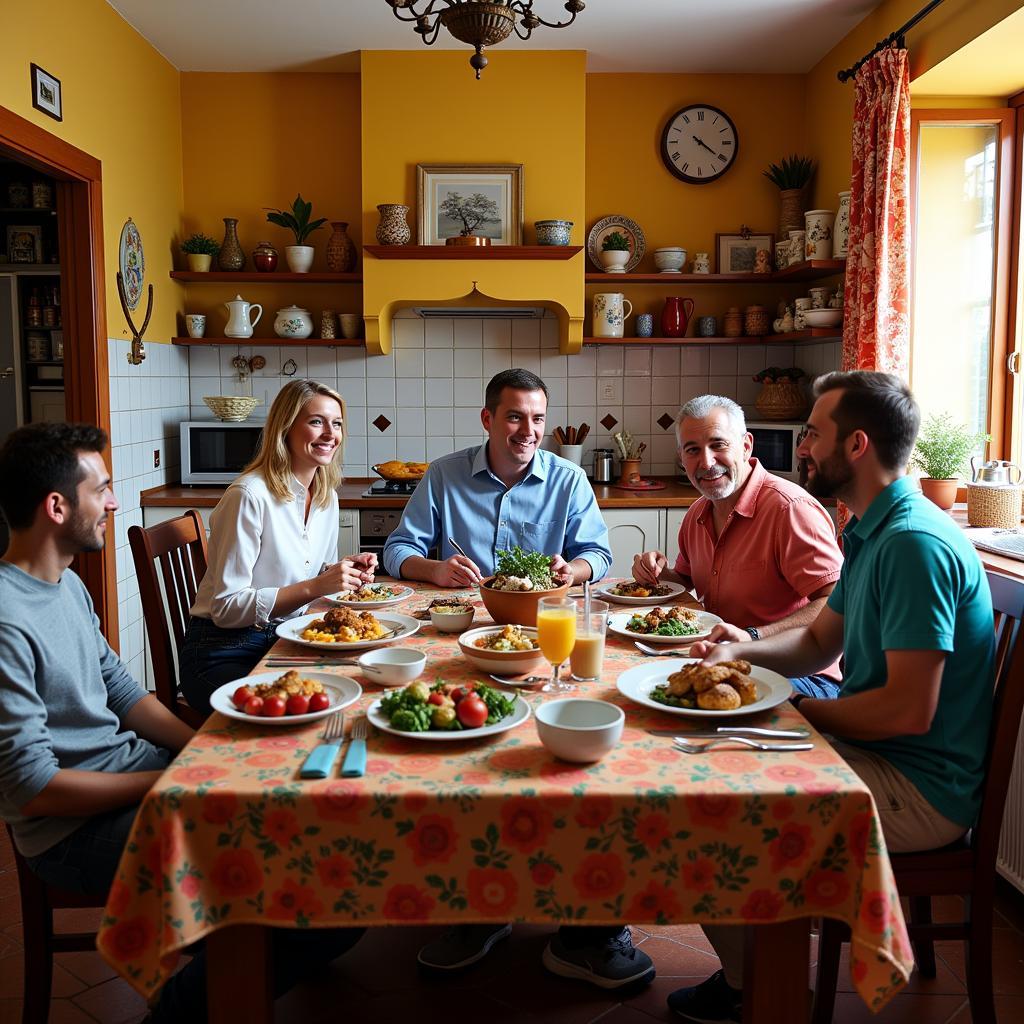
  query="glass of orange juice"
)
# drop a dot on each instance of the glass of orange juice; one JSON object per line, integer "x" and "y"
{"x": 556, "y": 634}
{"x": 587, "y": 655}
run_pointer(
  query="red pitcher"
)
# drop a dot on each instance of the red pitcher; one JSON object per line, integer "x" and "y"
{"x": 675, "y": 316}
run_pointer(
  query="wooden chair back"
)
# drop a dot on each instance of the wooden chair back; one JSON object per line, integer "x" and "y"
{"x": 170, "y": 562}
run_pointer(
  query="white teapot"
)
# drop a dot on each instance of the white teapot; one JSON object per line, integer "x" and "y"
{"x": 240, "y": 323}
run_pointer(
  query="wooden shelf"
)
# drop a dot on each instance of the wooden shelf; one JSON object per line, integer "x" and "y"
{"x": 473, "y": 252}
{"x": 20, "y": 210}
{"x": 274, "y": 342}
{"x": 811, "y": 270}
{"x": 29, "y": 327}
{"x": 271, "y": 277}
{"x": 29, "y": 268}
{"x": 812, "y": 334}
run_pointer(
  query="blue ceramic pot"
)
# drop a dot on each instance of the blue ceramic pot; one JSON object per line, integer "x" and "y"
{"x": 553, "y": 232}
{"x": 645, "y": 325}
{"x": 707, "y": 327}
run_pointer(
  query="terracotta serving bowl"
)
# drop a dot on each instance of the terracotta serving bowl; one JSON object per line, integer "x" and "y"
{"x": 501, "y": 663}
{"x": 519, "y": 606}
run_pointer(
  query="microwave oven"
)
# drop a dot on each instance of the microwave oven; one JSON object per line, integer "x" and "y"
{"x": 214, "y": 452}
{"x": 775, "y": 446}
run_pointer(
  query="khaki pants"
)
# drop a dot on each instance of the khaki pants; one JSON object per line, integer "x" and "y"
{"x": 909, "y": 823}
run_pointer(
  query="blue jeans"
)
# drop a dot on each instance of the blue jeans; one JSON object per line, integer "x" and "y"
{"x": 816, "y": 686}
{"x": 86, "y": 862}
{"x": 211, "y": 656}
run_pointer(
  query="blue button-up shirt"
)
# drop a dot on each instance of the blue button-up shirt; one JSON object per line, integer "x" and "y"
{"x": 551, "y": 510}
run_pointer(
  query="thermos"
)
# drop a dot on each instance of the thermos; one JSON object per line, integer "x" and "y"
{"x": 602, "y": 465}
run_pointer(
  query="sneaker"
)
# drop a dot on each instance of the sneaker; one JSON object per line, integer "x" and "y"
{"x": 711, "y": 1002}
{"x": 462, "y": 945}
{"x": 612, "y": 963}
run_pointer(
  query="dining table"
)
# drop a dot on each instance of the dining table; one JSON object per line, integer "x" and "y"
{"x": 230, "y": 842}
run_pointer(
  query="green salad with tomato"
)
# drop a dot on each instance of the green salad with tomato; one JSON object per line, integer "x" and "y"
{"x": 444, "y": 708}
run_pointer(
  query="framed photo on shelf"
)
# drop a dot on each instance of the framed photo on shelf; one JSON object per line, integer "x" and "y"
{"x": 46, "y": 93}
{"x": 470, "y": 199}
{"x": 24, "y": 243}
{"x": 736, "y": 253}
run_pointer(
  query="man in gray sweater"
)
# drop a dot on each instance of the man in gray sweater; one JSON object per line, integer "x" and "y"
{"x": 81, "y": 743}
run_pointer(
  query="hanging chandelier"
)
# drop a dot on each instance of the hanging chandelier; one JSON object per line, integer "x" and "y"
{"x": 477, "y": 22}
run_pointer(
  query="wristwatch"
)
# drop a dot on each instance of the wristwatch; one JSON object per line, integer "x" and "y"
{"x": 754, "y": 635}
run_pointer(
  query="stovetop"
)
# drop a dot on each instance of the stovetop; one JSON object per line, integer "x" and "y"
{"x": 383, "y": 488}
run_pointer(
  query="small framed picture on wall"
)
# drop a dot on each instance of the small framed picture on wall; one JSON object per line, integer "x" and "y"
{"x": 46, "y": 93}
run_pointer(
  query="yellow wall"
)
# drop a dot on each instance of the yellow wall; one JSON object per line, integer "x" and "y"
{"x": 121, "y": 105}
{"x": 256, "y": 140}
{"x": 528, "y": 108}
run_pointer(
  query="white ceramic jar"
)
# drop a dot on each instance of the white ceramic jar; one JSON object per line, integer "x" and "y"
{"x": 818, "y": 226}
{"x": 841, "y": 235}
{"x": 293, "y": 322}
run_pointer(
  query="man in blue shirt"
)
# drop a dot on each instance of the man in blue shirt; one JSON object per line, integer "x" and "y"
{"x": 503, "y": 493}
{"x": 912, "y": 614}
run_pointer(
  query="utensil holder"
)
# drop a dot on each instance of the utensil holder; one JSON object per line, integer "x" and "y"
{"x": 629, "y": 471}
{"x": 989, "y": 505}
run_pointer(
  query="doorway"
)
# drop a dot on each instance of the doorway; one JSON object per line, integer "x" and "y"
{"x": 77, "y": 178}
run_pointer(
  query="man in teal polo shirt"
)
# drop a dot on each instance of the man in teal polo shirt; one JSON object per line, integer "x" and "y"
{"x": 912, "y": 614}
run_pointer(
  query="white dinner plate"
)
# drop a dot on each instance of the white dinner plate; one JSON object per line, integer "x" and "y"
{"x": 520, "y": 714}
{"x": 342, "y": 691}
{"x": 638, "y": 682}
{"x": 402, "y": 594}
{"x": 605, "y": 593}
{"x": 403, "y": 625}
{"x": 617, "y": 624}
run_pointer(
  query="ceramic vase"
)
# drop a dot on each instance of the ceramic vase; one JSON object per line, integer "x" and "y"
{"x": 393, "y": 228}
{"x": 841, "y": 235}
{"x": 818, "y": 234}
{"x": 645, "y": 325}
{"x": 264, "y": 258}
{"x": 341, "y": 251}
{"x": 707, "y": 327}
{"x": 299, "y": 258}
{"x": 231, "y": 255}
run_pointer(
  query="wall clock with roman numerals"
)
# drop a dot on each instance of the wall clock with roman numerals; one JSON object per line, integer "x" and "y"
{"x": 699, "y": 143}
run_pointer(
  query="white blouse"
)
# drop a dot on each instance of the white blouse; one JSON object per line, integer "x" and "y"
{"x": 259, "y": 544}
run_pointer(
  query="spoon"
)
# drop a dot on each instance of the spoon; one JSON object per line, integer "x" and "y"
{"x": 517, "y": 681}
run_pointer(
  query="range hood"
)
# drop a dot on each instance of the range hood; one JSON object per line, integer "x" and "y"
{"x": 478, "y": 313}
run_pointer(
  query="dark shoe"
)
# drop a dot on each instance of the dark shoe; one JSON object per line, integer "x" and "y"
{"x": 711, "y": 1002}
{"x": 462, "y": 945}
{"x": 612, "y": 963}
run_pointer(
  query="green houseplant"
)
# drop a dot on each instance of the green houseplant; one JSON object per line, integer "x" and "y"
{"x": 615, "y": 252}
{"x": 199, "y": 249}
{"x": 941, "y": 452}
{"x": 791, "y": 176}
{"x": 298, "y": 256}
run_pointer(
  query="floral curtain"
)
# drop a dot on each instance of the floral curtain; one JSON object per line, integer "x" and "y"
{"x": 876, "y": 331}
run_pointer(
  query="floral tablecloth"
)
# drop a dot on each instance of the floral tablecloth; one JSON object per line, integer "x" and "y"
{"x": 498, "y": 830}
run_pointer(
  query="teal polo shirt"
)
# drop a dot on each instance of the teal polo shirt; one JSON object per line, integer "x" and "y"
{"x": 912, "y": 581}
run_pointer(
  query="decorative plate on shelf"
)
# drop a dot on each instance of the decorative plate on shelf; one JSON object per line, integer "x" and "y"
{"x": 604, "y": 227}
{"x": 132, "y": 263}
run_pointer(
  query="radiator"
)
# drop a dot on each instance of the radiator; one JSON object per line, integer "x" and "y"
{"x": 1010, "y": 859}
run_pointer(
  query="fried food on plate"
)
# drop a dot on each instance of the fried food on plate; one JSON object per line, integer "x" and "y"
{"x": 720, "y": 697}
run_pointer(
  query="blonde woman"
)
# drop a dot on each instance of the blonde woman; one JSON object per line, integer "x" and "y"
{"x": 273, "y": 542}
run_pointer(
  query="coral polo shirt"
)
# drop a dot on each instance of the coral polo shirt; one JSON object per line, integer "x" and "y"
{"x": 777, "y": 547}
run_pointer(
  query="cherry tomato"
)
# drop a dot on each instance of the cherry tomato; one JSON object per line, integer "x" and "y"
{"x": 298, "y": 704}
{"x": 241, "y": 696}
{"x": 273, "y": 707}
{"x": 254, "y": 706}
{"x": 319, "y": 702}
{"x": 459, "y": 692}
{"x": 471, "y": 711}
{"x": 436, "y": 698}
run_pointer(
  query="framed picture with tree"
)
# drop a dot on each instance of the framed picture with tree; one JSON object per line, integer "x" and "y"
{"x": 470, "y": 199}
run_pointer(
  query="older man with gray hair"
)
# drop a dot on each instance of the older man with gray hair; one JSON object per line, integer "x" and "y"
{"x": 758, "y": 550}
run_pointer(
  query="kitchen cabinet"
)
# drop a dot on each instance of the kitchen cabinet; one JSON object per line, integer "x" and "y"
{"x": 348, "y": 532}
{"x": 631, "y": 531}
{"x": 673, "y": 521}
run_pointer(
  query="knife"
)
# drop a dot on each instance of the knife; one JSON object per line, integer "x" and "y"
{"x": 726, "y": 730}
{"x": 321, "y": 758}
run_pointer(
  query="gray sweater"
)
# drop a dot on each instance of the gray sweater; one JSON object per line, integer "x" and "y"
{"x": 63, "y": 692}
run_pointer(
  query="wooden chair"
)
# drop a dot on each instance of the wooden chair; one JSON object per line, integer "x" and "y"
{"x": 38, "y": 902}
{"x": 179, "y": 546}
{"x": 967, "y": 867}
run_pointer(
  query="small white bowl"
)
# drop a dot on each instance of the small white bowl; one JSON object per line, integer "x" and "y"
{"x": 393, "y": 666}
{"x": 823, "y": 317}
{"x": 670, "y": 259}
{"x": 580, "y": 730}
{"x": 451, "y": 622}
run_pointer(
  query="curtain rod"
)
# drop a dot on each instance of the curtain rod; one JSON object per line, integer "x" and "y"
{"x": 894, "y": 37}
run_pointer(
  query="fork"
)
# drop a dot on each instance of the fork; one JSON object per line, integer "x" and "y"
{"x": 354, "y": 764}
{"x": 690, "y": 747}
{"x": 318, "y": 764}
{"x": 655, "y": 652}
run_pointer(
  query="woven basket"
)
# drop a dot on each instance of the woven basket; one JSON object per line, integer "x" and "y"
{"x": 231, "y": 407}
{"x": 780, "y": 400}
{"x": 993, "y": 506}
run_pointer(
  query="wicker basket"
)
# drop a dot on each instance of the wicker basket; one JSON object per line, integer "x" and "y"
{"x": 780, "y": 400}
{"x": 989, "y": 505}
{"x": 231, "y": 407}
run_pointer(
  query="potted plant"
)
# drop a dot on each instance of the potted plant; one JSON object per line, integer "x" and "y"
{"x": 791, "y": 176}
{"x": 199, "y": 250}
{"x": 299, "y": 256}
{"x": 615, "y": 253}
{"x": 941, "y": 451}
{"x": 781, "y": 396}
{"x": 473, "y": 210}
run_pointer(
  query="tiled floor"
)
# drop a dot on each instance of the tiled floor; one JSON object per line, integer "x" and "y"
{"x": 377, "y": 982}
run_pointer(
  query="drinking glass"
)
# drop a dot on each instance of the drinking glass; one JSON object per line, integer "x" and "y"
{"x": 556, "y": 634}
{"x": 587, "y": 655}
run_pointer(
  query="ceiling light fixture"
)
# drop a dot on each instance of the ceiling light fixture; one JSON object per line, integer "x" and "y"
{"x": 477, "y": 22}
